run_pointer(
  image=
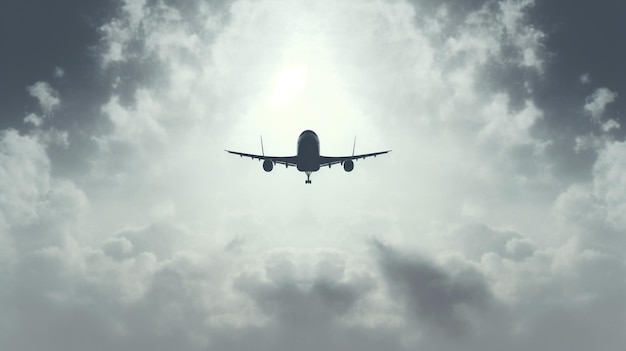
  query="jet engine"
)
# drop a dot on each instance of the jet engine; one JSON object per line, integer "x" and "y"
{"x": 348, "y": 165}
{"x": 268, "y": 165}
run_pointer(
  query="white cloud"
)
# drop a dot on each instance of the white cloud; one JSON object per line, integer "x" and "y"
{"x": 596, "y": 103}
{"x": 48, "y": 97}
{"x": 33, "y": 119}
{"x": 610, "y": 125}
{"x": 527, "y": 38}
{"x": 24, "y": 177}
{"x": 610, "y": 182}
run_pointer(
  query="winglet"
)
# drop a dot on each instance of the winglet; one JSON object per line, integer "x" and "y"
{"x": 353, "y": 145}
{"x": 262, "y": 151}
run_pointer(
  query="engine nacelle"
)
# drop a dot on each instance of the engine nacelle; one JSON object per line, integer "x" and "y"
{"x": 348, "y": 165}
{"x": 268, "y": 165}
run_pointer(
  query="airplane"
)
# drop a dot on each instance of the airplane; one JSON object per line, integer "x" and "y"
{"x": 308, "y": 159}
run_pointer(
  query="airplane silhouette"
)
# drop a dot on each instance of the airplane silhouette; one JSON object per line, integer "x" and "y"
{"x": 308, "y": 159}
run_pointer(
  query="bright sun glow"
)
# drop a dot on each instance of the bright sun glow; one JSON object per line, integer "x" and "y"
{"x": 288, "y": 84}
{"x": 309, "y": 95}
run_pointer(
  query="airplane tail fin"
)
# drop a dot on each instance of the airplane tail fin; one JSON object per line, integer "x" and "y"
{"x": 353, "y": 145}
{"x": 262, "y": 151}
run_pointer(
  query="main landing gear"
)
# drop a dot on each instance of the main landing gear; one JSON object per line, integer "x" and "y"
{"x": 308, "y": 175}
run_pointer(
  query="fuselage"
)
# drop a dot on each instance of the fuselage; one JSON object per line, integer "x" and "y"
{"x": 308, "y": 152}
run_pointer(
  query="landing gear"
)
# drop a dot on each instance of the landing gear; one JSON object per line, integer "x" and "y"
{"x": 308, "y": 175}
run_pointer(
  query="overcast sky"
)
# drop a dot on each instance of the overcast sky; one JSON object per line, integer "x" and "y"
{"x": 498, "y": 222}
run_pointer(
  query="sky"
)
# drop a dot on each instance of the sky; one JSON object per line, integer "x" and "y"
{"x": 498, "y": 221}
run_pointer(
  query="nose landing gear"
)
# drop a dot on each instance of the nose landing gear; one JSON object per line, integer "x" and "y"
{"x": 308, "y": 175}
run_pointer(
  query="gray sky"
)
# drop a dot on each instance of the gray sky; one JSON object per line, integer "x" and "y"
{"x": 497, "y": 222}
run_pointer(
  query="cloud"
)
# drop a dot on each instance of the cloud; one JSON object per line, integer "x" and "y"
{"x": 610, "y": 125}
{"x": 165, "y": 242}
{"x": 474, "y": 240}
{"x": 302, "y": 304}
{"x": 25, "y": 178}
{"x": 596, "y": 103}
{"x": 328, "y": 306}
{"x": 48, "y": 97}
{"x": 585, "y": 78}
{"x": 609, "y": 184}
{"x": 447, "y": 301}
{"x": 33, "y": 119}
{"x": 59, "y": 72}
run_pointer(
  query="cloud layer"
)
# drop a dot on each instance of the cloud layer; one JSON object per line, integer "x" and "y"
{"x": 464, "y": 236}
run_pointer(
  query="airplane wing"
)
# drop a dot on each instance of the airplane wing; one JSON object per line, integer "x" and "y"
{"x": 329, "y": 161}
{"x": 283, "y": 160}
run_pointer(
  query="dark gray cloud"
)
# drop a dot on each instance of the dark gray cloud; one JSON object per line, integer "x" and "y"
{"x": 449, "y": 302}
{"x": 305, "y": 306}
{"x": 306, "y": 315}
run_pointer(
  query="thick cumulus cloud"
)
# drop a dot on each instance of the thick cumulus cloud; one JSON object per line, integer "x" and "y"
{"x": 463, "y": 236}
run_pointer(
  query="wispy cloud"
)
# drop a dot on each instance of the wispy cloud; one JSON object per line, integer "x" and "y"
{"x": 47, "y": 96}
{"x": 596, "y": 103}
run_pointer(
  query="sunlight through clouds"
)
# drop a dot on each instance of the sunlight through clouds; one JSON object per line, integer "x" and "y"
{"x": 289, "y": 84}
